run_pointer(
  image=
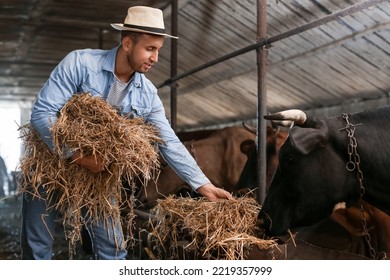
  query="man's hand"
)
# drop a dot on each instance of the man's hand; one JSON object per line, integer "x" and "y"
{"x": 213, "y": 193}
{"x": 93, "y": 163}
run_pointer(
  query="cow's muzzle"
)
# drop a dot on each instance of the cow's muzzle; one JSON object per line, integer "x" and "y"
{"x": 264, "y": 222}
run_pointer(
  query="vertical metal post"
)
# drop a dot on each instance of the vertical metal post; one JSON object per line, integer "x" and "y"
{"x": 100, "y": 38}
{"x": 262, "y": 56}
{"x": 174, "y": 43}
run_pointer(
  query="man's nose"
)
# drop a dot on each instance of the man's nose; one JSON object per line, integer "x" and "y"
{"x": 154, "y": 57}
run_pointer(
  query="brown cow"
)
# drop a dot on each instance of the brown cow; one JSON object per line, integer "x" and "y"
{"x": 377, "y": 226}
{"x": 219, "y": 156}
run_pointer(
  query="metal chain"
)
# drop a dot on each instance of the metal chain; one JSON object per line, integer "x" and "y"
{"x": 354, "y": 158}
{"x": 351, "y": 165}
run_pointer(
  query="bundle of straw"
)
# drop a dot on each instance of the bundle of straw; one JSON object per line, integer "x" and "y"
{"x": 220, "y": 230}
{"x": 91, "y": 126}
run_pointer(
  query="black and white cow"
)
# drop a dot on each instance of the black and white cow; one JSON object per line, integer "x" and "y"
{"x": 316, "y": 170}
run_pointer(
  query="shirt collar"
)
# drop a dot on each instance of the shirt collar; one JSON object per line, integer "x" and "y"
{"x": 109, "y": 65}
{"x": 109, "y": 62}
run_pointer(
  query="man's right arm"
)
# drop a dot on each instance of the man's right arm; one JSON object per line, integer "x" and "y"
{"x": 57, "y": 90}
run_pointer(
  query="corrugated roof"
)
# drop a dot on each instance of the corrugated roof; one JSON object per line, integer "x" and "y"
{"x": 343, "y": 65}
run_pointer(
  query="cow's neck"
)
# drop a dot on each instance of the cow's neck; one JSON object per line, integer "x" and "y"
{"x": 369, "y": 131}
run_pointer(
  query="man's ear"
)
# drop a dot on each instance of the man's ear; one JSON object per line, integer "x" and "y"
{"x": 127, "y": 43}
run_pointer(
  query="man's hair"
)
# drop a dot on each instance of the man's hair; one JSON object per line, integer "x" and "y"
{"x": 134, "y": 36}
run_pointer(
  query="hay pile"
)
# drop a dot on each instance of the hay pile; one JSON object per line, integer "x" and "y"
{"x": 90, "y": 125}
{"x": 213, "y": 230}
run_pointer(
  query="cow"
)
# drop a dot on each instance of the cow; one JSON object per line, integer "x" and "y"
{"x": 342, "y": 230}
{"x": 325, "y": 161}
{"x": 220, "y": 157}
{"x": 377, "y": 226}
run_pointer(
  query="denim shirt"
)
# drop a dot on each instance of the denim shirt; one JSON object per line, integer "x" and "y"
{"x": 93, "y": 71}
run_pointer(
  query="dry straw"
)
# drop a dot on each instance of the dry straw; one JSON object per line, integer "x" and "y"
{"x": 89, "y": 125}
{"x": 211, "y": 230}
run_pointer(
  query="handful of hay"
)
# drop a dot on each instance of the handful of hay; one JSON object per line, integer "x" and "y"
{"x": 90, "y": 125}
{"x": 218, "y": 230}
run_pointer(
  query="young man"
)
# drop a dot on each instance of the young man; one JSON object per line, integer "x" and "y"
{"x": 118, "y": 76}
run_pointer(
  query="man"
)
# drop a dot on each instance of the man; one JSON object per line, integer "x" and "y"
{"x": 118, "y": 76}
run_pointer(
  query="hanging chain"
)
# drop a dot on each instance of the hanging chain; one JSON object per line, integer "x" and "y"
{"x": 352, "y": 164}
{"x": 354, "y": 158}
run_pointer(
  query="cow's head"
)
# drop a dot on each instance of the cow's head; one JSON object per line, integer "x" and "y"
{"x": 310, "y": 179}
{"x": 274, "y": 140}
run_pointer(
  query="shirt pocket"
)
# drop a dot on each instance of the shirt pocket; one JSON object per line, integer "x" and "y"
{"x": 140, "y": 111}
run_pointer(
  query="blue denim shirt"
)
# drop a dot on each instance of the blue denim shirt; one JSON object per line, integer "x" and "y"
{"x": 93, "y": 71}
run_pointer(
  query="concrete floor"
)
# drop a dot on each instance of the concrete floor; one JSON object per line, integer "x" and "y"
{"x": 10, "y": 222}
{"x": 10, "y": 226}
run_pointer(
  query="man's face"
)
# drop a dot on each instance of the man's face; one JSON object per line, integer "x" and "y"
{"x": 144, "y": 53}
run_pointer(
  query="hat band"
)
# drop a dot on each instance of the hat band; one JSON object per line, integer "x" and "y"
{"x": 151, "y": 29}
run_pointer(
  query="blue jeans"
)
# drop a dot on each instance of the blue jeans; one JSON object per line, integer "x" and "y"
{"x": 38, "y": 227}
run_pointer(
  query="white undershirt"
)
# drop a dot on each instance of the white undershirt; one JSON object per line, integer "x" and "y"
{"x": 117, "y": 93}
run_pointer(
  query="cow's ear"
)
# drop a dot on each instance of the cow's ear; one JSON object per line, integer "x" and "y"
{"x": 247, "y": 146}
{"x": 306, "y": 139}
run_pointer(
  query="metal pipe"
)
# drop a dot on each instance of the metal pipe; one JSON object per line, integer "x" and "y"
{"x": 174, "y": 43}
{"x": 101, "y": 38}
{"x": 344, "y": 12}
{"x": 262, "y": 57}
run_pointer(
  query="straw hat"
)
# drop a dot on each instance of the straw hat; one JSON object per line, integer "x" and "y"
{"x": 144, "y": 19}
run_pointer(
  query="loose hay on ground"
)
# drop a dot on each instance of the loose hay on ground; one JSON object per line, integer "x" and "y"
{"x": 90, "y": 125}
{"x": 213, "y": 230}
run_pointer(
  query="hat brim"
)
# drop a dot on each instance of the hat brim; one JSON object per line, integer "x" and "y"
{"x": 119, "y": 26}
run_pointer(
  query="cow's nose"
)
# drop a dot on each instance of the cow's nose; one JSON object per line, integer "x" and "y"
{"x": 264, "y": 222}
